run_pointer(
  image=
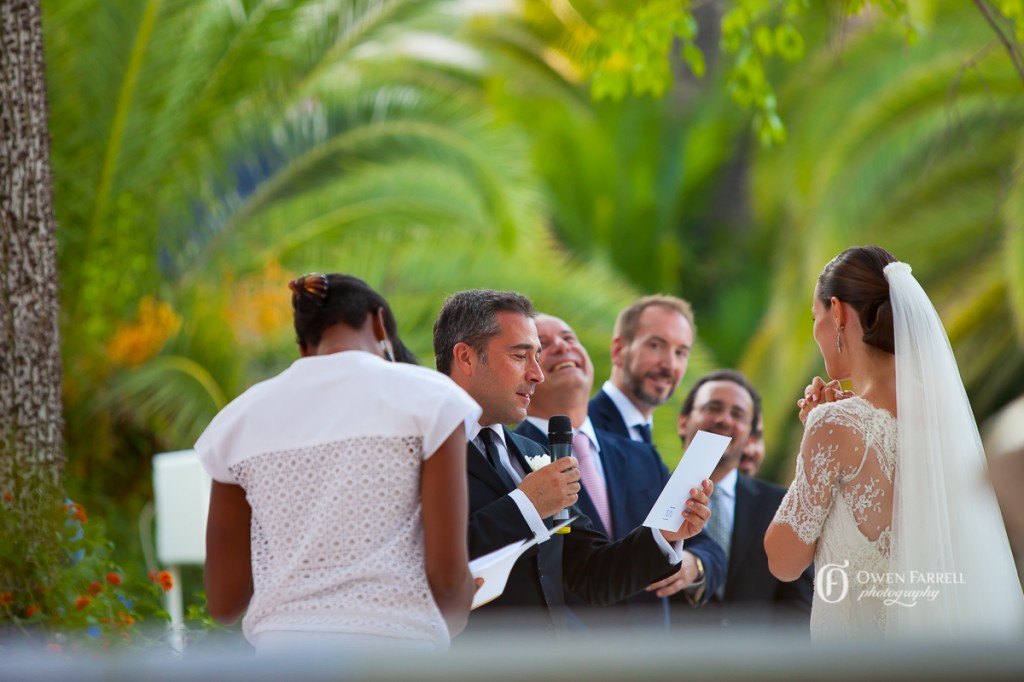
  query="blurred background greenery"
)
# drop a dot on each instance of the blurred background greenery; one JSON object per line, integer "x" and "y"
{"x": 207, "y": 151}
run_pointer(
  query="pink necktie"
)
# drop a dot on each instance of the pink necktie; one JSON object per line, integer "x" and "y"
{"x": 591, "y": 479}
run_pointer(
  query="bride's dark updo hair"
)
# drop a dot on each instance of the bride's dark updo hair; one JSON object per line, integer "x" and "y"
{"x": 856, "y": 277}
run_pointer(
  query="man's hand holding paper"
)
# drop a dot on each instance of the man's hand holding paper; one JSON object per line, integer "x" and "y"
{"x": 695, "y": 513}
{"x": 680, "y": 521}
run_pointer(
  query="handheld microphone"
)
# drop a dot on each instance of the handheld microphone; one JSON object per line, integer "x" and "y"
{"x": 560, "y": 440}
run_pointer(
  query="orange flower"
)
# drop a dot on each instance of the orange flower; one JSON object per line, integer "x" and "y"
{"x": 152, "y": 575}
{"x": 164, "y": 579}
{"x": 77, "y": 512}
{"x": 6, "y": 598}
{"x": 95, "y": 588}
{"x": 113, "y": 578}
{"x": 136, "y": 341}
{"x": 8, "y": 497}
{"x": 32, "y": 610}
{"x": 125, "y": 618}
{"x": 82, "y": 602}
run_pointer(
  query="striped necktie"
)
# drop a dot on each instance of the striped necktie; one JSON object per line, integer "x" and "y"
{"x": 592, "y": 480}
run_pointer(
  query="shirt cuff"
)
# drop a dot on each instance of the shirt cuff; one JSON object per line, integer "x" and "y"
{"x": 530, "y": 515}
{"x": 673, "y": 551}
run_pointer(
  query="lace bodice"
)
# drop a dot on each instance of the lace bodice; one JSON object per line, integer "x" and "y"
{"x": 842, "y": 499}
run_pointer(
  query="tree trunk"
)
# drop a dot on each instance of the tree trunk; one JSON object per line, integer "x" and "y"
{"x": 30, "y": 370}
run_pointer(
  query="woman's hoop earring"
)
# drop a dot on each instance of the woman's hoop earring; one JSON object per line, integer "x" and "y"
{"x": 385, "y": 348}
{"x": 839, "y": 338}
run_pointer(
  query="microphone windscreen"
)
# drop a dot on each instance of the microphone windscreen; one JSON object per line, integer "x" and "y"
{"x": 560, "y": 430}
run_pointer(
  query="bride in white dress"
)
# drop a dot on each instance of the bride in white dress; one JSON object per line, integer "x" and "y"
{"x": 879, "y": 473}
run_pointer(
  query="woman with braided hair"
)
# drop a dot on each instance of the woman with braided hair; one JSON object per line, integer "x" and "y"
{"x": 339, "y": 505}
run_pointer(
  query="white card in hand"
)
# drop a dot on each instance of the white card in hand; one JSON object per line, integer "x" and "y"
{"x": 699, "y": 460}
{"x": 495, "y": 567}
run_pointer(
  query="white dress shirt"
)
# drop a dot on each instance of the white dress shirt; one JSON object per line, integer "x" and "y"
{"x": 628, "y": 410}
{"x": 526, "y": 508}
{"x": 671, "y": 550}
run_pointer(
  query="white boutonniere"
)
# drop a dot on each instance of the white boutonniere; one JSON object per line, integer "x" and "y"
{"x": 538, "y": 462}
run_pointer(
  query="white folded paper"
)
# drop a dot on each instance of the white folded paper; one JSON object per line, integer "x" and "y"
{"x": 699, "y": 460}
{"x": 495, "y": 567}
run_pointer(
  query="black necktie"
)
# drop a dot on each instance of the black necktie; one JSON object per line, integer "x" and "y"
{"x": 494, "y": 457}
{"x": 645, "y": 432}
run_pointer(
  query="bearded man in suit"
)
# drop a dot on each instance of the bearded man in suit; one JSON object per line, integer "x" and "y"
{"x": 651, "y": 346}
{"x": 486, "y": 341}
{"x": 621, "y": 479}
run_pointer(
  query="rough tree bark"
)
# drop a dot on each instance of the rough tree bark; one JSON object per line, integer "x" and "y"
{"x": 30, "y": 370}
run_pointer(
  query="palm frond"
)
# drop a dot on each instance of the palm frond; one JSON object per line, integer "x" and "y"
{"x": 1013, "y": 250}
{"x": 173, "y": 395}
{"x": 918, "y": 158}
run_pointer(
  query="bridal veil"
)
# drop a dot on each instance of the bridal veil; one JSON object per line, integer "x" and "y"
{"x": 947, "y": 528}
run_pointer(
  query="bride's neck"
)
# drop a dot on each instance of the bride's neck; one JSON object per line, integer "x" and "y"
{"x": 873, "y": 377}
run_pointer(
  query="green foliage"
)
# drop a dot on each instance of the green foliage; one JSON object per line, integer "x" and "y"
{"x": 886, "y": 143}
{"x": 61, "y": 586}
{"x": 203, "y": 150}
{"x": 234, "y": 170}
{"x": 629, "y": 50}
{"x": 1013, "y": 249}
{"x": 628, "y": 53}
{"x": 923, "y": 158}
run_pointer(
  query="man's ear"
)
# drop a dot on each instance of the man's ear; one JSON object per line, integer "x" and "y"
{"x": 681, "y": 426}
{"x": 464, "y": 359}
{"x": 619, "y": 346}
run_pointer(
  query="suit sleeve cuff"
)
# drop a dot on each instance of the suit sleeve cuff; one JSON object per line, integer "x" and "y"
{"x": 530, "y": 515}
{"x": 673, "y": 551}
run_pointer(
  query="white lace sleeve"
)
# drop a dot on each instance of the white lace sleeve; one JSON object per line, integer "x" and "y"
{"x": 809, "y": 500}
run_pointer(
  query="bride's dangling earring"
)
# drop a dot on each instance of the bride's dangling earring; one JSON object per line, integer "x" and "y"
{"x": 839, "y": 338}
{"x": 385, "y": 348}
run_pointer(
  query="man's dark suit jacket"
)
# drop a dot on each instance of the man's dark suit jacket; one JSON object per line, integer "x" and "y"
{"x": 752, "y": 593}
{"x": 605, "y": 416}
{"x": 582, "y": 561}
{"x": 634, "y": 476}
{"x": 750, "y": 587}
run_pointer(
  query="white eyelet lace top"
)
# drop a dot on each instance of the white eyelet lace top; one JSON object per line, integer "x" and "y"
{"x": 842, "y": 497}
{"x": 329, "y": 454}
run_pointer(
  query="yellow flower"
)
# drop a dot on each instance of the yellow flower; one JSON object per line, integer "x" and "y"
{"x": 260, "y": 306}
{"x": 137, "y": 341}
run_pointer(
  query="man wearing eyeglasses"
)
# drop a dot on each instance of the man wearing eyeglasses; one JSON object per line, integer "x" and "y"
{"x": 726, "y": 403}
{"x": 487, "y": 343}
